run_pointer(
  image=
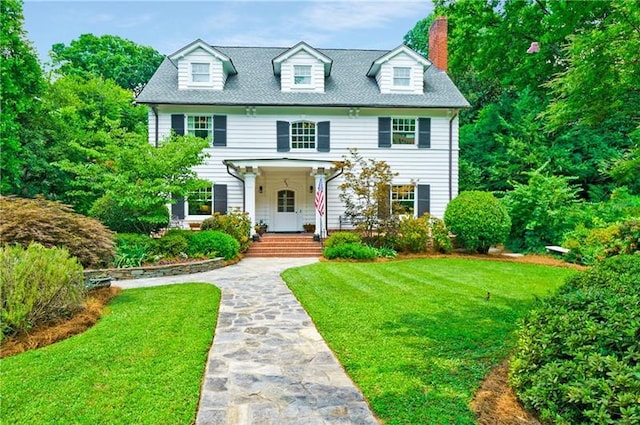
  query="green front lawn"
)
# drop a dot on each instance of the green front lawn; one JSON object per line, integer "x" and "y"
{"x": 142, "y": 363}
{"x": 418, "y": 336}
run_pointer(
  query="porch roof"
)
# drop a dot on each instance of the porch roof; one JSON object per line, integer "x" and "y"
{"x": 253, "y": 165}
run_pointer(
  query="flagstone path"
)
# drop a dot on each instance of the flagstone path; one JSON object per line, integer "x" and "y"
{"x": 268, "y": 364}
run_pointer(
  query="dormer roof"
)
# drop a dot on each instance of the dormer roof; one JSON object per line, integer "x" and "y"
{"x": 375, "y": 66}
{"x": 228, "y": 65}
{"x": 302, "y": 46}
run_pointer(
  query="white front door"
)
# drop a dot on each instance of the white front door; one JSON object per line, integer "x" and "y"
{"x": 286, "y": 218}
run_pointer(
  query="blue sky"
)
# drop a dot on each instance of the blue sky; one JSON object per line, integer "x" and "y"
{"x": 169, "y": 25}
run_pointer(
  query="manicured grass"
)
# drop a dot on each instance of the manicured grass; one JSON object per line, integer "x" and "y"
{"x": 418, "y": 336}
{"x": 142, "y": 363}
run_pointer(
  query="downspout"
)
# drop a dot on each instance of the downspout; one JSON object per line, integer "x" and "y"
{"x": 326, "y": 191}
{"x": 233, "y": 175}
{"x": 154, "y": 108}
{"x": 453, "y": 117}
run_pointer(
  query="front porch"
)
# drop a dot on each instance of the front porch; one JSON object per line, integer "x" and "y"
{"x": 280, "y": 194}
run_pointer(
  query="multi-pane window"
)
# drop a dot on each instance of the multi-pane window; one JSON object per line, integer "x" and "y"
{"x": 403, "y": 131}
{"x": 286, "y": 201}
{"x": 401, "y": 76}
{"x": 303, "y": 135}
{"x": 403, "y": 199}
{"x": 302, "y": 74}
{"x": 200, "y": 201}
{"x": 200, "y": 72}
{"x": 200, "y": 126}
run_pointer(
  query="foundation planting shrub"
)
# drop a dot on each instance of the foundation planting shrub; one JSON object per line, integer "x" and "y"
{"x": 478, "y": 220}
{"x": 213, "y": 243}
{"x": 133, "y": 249}
{"x": 37, "y": 285}
{"x": 53, "y": 224}
{"x": 349, "y": 250}
{"x": 422, "y": 234}
{"x": 578, "y": 353}
{"x": 174, "y": 243}
{"x": 337, "y": 238}
{"x": 236, "y": 224}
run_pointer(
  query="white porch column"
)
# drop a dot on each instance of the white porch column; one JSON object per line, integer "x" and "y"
{"x": 320, "y": 221}
{"x": 250, "y": 199}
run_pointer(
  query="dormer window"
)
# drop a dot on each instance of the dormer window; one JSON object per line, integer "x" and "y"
{"x": 200, "y": 73}
{"x": 303, "y": 135}
{"x": 302, "y": 75}
{"x": 401, "y": 76}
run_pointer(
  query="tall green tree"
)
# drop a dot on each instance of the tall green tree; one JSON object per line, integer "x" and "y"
{"x": 21, "y": 87}
{"x": 88, "y": 119}
{"x": 129, "y": 64}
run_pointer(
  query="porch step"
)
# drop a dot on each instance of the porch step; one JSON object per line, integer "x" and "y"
{"x": 285, "y": 245}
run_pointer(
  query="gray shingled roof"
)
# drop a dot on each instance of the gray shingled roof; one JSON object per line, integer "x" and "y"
{"x": 255, "y": 84}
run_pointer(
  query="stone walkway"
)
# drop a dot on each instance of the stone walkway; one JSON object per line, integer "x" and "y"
{"x": 268, "y": 364}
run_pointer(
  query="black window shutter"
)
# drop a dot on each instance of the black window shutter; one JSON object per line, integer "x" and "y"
{"x": 424, "y": 199}
{"x": 219, "y": 130}
{"x": 220, "y": 198}
{"x": 324, "y": 139}
{"x": 424, "y": 133}
{"x": 177, "y": 209}
{"x": 384, "y": 132}
{"x": 384, "y": 202}
{"x": 282, "y": 130}
{"x": 177, "y": 124}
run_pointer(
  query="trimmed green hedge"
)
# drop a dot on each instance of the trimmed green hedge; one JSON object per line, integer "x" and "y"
{"x": 578, "y": 354}
{"x": 478, "y": 220}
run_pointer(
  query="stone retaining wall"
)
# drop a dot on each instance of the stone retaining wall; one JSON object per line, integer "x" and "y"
{"x": 157, "y": 271}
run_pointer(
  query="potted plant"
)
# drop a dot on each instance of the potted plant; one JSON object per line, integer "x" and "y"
{"x": 309, "y": 228}
{"x": 261, "y": 227}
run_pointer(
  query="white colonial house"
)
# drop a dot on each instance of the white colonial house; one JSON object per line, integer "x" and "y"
{"x": 280, "y": 120}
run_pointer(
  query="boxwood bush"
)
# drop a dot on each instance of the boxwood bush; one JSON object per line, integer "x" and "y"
{"x": 37, "y": 285}
{"x": 213, "y": 243}
{"x": 478, "y": 220}
{"x": 236, "y": 224}
{"x": 354, "y": 251}
{"x": 578, "y": 353}
{"x": 337, "y": 238}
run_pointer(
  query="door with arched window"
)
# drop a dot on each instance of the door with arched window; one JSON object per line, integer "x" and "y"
{"x": 286, "y": 219}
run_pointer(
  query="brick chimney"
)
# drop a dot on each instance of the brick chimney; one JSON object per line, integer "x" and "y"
{"x": 438, "y": 43}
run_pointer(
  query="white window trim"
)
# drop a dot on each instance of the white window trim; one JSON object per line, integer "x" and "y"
{"x": 198, "y": 216}
{"x": 315, "y": 136}
{"x": 200, "y": 83}
{"x": 187, "y": 128}
{"x": 407, "y": 78}
{"x": 293, "y": 76}
{"x": 415, "y": 134}
{"x": 413, "y": 192}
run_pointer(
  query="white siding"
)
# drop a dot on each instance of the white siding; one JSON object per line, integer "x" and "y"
{"x": 302, "y": 58}
{"x": 385, "y": 75}
{"x": 254, "y": 137}
{"x": 217, "y": 74}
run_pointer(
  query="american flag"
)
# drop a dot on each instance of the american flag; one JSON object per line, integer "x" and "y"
{"x": 319, "y": 201}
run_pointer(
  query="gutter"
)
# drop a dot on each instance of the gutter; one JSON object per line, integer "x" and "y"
{"x": 154, "y": 108}
{"x": 453, "y": 117}
{"x": 243, "y": 187}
